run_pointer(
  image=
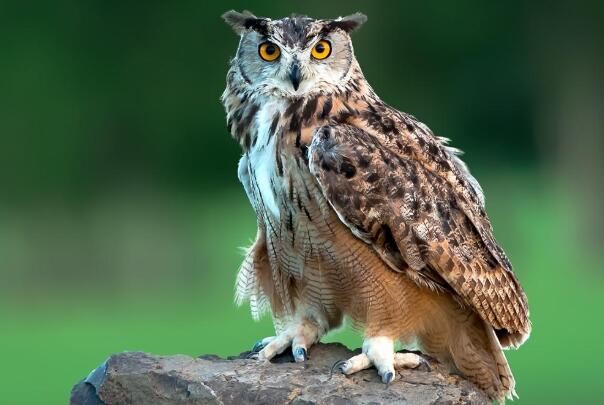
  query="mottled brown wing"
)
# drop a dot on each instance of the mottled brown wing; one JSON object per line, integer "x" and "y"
{"x": 414, "y": 219}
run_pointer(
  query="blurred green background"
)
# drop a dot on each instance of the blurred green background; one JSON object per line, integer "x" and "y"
{"x": 121, "y": 216}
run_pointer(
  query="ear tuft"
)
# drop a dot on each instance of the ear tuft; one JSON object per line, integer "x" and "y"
{"x": 349, "y": 23}
{"x": 240, "y": 22}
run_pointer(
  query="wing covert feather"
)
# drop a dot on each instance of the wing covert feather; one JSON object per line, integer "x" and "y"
{"x": 418, "y": 221}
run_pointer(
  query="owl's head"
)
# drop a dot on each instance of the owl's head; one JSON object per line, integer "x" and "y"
{"x": 293, "y": 56}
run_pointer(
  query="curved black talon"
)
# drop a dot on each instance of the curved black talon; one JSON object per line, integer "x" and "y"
{"x": 388, "y": 378}
{"x": 252, "y": 356}
{"x": 338, "y": 364}
{"x": 258, "y": 346}
{"x": 300, "y": 352}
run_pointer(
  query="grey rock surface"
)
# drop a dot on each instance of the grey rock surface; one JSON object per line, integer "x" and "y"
{"x": 140, "y": 378}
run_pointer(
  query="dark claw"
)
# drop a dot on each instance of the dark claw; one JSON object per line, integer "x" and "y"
{"x": 339, "y": 365}
{"x": 300, "y": 352}
{"x": 252, "y": 355}
{"x": 387, "y": 378}
{"x": 258, "y": 346}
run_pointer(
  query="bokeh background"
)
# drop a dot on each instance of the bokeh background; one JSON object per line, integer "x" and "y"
{"x": 121, "y": 216}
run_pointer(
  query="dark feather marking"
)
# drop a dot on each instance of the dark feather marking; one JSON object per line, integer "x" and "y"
{"x": 237, "y": 114}
{"x": 325, "y": 165}
{"x": 397, "y": 192}
{"x": 343, "y": 116}
{"x": 356, "y": 201}
{"x": 413, "y": 175}
{"x": 302, "y": 207}
{"x": 294, "y": 107}
{"x": 327, "y": 105}
{"x": 294, "y": 123}
{"x": 307, "y": 213}
{"x": 251, "y": 114}
{"x": 291, "y": 188}
{"x": 351, "y": 110}
{"x": 259, "y": 25}
{"x": 389, "y": 241}
{"x": 309, "y": 109}
{"x": 348, "y": 169}
{"x": 433, "y": 149}
{"x": 423, "y": 247}
{"x": 274, "y": 124}
{"x": 290, "y": 221}
{"x": 304, "y": 152}
{"x": 362, "y": 160}
{"x": 415, "y": 205}
{"x": 278, "y": 160}
{"x": 372, "y": 178}
{"x": 388, "y": 125}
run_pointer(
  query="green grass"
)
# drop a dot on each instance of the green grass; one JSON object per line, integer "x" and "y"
{"x": 52, "y": 337}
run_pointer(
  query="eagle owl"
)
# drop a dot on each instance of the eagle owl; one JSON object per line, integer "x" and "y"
{"x": 362, "y": 213}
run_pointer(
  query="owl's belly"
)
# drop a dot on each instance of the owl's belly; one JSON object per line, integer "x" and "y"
{"x": 316, "y": 261}
{"x": 309, "y": 248}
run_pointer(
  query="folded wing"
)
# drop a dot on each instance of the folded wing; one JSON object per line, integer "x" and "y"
{"x": 423, "y": 218}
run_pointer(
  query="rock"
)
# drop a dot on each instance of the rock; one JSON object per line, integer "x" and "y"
{"x": 140, "y": 378}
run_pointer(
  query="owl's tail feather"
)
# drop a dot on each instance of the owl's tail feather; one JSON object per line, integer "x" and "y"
{"x": 512, "y": 340}
{"x": 477, "y": 353}
{"x": 505, "y": 373}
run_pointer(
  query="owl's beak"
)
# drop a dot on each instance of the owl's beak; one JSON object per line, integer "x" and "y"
{"x": 294, "y": 74}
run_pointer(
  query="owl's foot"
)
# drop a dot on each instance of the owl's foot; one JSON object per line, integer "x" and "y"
{"x": 299, "y": 336}
{"x": 379, "y": 352}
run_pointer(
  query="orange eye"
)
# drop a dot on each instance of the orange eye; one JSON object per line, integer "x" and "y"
{"x": 321, "y": 50}
{"x": 269, "y": 51}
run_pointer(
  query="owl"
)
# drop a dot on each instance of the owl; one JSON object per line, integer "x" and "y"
{"x": 363, "y": 213}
